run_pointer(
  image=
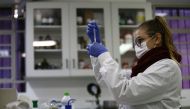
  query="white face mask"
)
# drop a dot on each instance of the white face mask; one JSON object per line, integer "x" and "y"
{"x": 140, "y": 51}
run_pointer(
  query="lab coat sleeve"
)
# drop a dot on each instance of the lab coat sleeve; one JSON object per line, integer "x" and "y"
{"x": 144, "y": 88}
{"x": 96, "y": 68}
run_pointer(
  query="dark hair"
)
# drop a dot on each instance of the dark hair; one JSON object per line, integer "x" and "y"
{"x": 159, "y": 25}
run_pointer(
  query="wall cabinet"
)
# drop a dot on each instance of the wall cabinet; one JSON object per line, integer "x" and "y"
{"x": 80, "y": 14}
{"x": 63, "y": 27}
{"x": 125, "y": 18}
{"x": 47, "y": 35}
{"x": 56, "y": 37}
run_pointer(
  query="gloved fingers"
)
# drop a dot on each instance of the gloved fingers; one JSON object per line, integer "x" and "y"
{"x": 96, "y": 49}
{"x": 90, "y": 28}
{"x": 98, "y": 39}
{"x": 88, "y": 48}
{"x": 92, "y": 22}
{"x": 93, "y": 25}
{"x": 89, "y": 31}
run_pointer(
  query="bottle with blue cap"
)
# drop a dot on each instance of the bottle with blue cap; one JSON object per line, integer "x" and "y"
{"x": 66, "y": 101}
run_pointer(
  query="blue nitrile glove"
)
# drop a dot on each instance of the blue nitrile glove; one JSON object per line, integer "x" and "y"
{"x": 96, "y": 49}
{"x": 93, "y": 32}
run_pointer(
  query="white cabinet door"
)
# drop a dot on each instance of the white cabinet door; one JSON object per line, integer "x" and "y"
{"x": 80, "y": 14}
{"x": 47, "y": 39}
{"x": 126, "y": 16}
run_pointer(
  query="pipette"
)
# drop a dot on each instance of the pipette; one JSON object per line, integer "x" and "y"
{"x": 94, "y": 30}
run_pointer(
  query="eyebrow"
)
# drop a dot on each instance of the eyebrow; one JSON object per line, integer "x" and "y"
{"x": 139, "y": 37}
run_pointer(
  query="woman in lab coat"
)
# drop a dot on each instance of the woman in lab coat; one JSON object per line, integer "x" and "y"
{"x": 155, "y": 81}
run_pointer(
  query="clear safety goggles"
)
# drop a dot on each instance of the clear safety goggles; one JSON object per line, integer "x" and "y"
{"x": 138, "y": 41}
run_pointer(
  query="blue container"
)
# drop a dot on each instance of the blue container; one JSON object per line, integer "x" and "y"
{"x": 68, "y": 107}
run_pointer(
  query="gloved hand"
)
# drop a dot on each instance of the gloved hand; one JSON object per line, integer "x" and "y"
{"x": 96, "y": 49}
{"x": 93, "y": 32}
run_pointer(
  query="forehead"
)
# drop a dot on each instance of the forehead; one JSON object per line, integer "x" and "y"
{"x": 140, "y": 33}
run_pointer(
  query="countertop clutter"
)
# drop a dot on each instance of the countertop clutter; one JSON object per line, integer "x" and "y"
{"x": 9, "y": 99}
{"x": 7, "y": 95}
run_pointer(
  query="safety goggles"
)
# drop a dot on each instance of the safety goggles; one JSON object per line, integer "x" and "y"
{"x": 138, "y": 41}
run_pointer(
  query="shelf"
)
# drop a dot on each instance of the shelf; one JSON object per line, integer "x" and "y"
{"x": 48, "y": 50}
{"x": 184, "y": 65}
{"x": 20, "y": 31}
{"x": 177, "y": 17}
{"x": 129, "y": 52}
{"x": 20, "y": 81}
{"x": 5, "y": 45}
{"x": 83, "y": 27}
{"x": 47, "y": 73}
{"x": 82, "y": 50}
{"x": 184, "y": 54}
{"x": 5, "y": 17}
{"x": 128, "y": 26}
{"x": 180, "y": 30}
{"x": 5, "y": 56}
{"x": 47, "y": 29}
{"x": 47, "y": 26}
{"x": 5, "y": 80}
{"x": 5, "y": 68}
{"x": 186, "y": 77}
{"x": 182, "y": 43}
{"x": 6, "y": 31}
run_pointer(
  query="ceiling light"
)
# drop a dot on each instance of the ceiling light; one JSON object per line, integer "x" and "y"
{"x": 45, "y": 43}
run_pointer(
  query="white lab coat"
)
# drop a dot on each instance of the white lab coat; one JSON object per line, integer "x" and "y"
{"x": 158, "y": 87}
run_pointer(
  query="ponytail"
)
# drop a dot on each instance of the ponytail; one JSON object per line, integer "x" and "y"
{"x": 167, "y": 37}
{"x": 159, "y": 25}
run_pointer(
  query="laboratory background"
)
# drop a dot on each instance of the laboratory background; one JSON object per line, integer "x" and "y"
{"x": 43, "y": 45}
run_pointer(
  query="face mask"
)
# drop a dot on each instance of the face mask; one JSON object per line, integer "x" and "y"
{"x": 140, "y": 51}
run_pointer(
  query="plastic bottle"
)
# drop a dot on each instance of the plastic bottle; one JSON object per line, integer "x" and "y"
{"x": 67, "y": 101}
{"x": 35, "y": 104}
{"x": 65, "y": 98}
{"x": 140, "y": 17}
{"x": 53, "y": 104}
